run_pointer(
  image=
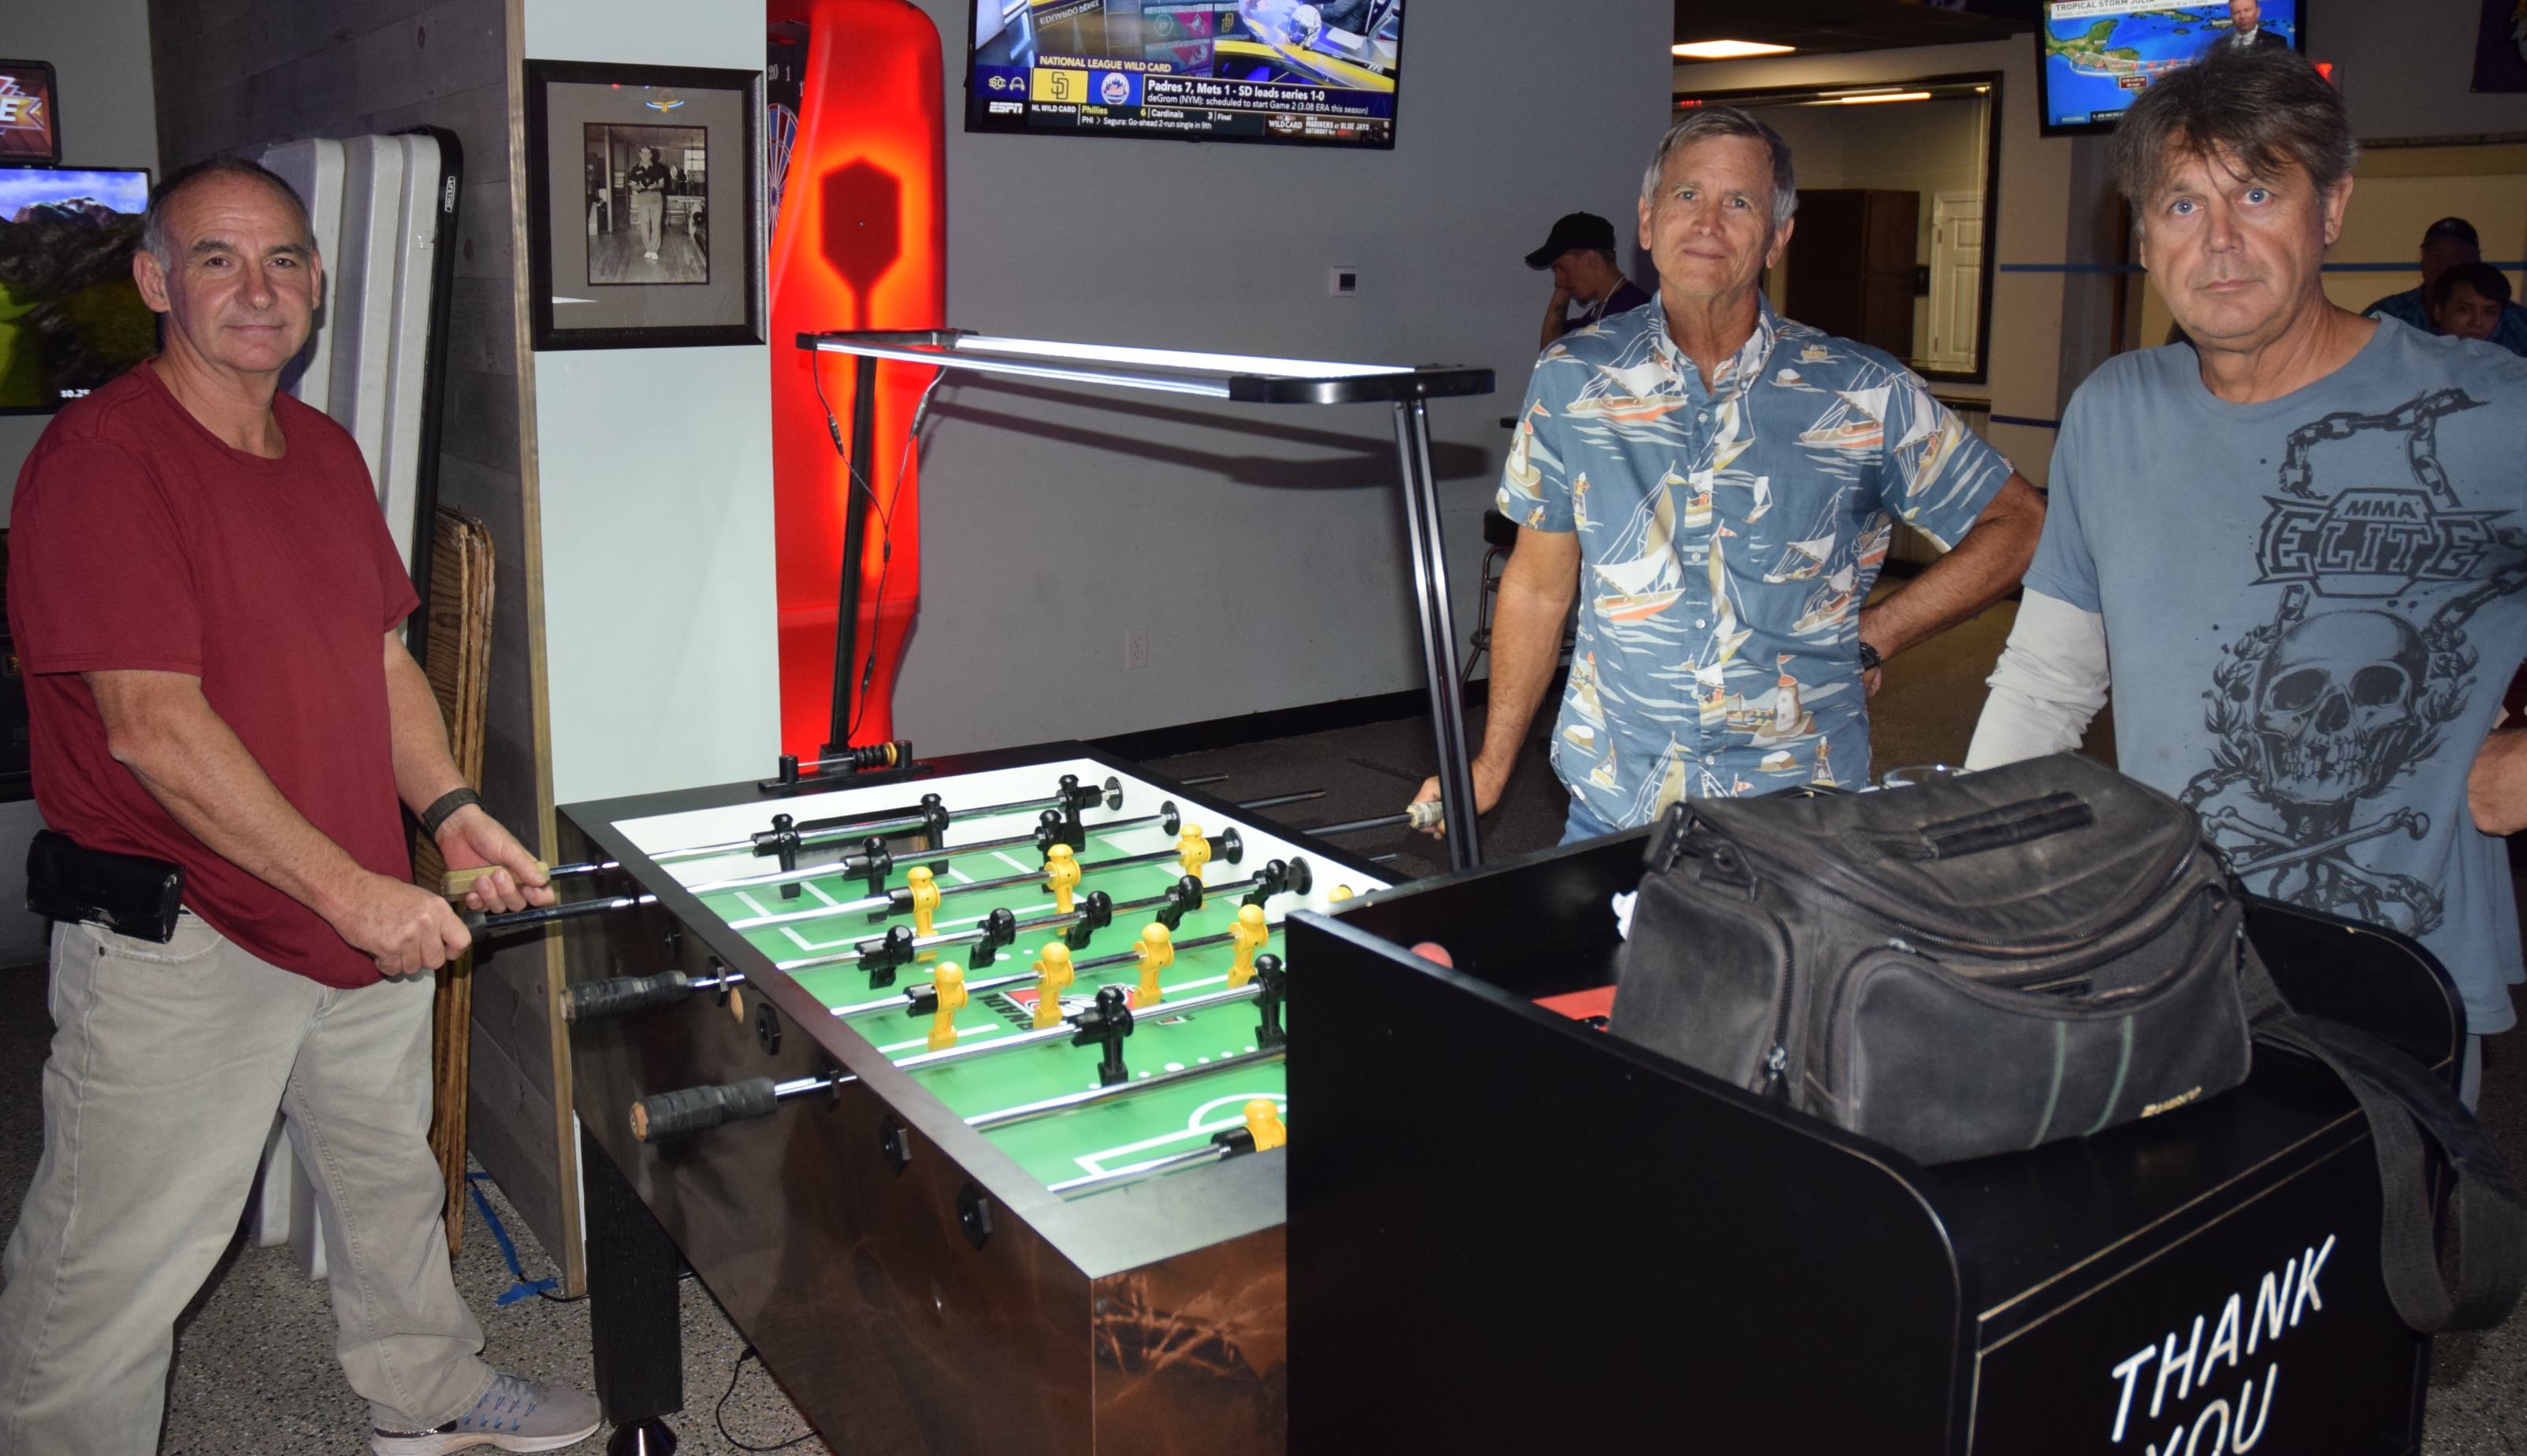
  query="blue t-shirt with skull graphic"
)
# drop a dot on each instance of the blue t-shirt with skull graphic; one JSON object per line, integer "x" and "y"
{"x": 2312, "y": 608}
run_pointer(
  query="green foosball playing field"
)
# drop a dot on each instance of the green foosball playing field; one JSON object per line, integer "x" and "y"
{"x": 1095, "y": 1093}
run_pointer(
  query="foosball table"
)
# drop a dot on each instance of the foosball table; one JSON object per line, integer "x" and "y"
{"x": 964, "y": 1092}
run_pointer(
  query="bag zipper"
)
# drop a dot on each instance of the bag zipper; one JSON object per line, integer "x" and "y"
{"x": 1850, "y": 884}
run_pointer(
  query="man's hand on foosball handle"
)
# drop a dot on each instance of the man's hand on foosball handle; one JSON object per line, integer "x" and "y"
{"x": 471, "y": 839}
{"x": 1488, "y": 783}
{"x": 401, "y": 925}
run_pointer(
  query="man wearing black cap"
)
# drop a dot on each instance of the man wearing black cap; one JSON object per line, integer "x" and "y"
{"x": 2447, "y": 243}
{"x": 1581, "y": 254}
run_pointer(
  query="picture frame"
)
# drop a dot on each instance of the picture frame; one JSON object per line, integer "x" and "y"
{"x": 663, "y": 246}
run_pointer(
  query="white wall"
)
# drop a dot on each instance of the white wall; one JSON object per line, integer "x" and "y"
{"x": 100, "y": 55}
{"x": 1257, "y": 545}
{"x": 655, "y": 481}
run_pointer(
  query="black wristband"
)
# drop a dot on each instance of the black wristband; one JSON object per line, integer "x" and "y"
{"x": 445, "y": 806}
{"x": 1869, "y": 661}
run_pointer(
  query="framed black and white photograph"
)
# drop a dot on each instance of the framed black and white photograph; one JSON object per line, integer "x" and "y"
{"x": 661, "y": 244}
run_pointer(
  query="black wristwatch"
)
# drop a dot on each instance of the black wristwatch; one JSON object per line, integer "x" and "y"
{"x": 444, "y": 807}
{"x": 1869, "y": 661}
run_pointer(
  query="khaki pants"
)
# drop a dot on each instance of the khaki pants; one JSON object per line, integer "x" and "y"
{"x": 166, "y": 1064}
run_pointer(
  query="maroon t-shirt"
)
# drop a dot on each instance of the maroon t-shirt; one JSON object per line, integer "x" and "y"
{"x": 140, "y": 541}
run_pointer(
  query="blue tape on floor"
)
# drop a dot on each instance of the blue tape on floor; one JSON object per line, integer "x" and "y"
{"x": 524, "y": 1289}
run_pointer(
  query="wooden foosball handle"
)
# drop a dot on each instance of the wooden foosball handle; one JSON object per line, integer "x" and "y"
{"x": 458, "y": 883}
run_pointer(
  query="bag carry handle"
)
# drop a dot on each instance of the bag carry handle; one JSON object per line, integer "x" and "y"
{"x": 2402, "y": 1101}
{"x": 2005, "y": 827}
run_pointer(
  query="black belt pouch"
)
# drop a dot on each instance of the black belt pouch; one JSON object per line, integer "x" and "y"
{"x": 132, "y": 894}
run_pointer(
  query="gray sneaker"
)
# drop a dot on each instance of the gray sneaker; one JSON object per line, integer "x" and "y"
{"x": 514, "y": 1415}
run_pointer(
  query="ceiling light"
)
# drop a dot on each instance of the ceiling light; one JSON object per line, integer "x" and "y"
{"x": 1882, "y": 97}
{"x": 1727, "y": 50}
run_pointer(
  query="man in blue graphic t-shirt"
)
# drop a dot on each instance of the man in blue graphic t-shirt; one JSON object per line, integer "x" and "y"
{"x": 2297, "y": 547}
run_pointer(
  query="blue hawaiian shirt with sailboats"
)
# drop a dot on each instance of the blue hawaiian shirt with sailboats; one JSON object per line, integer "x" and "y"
{"x": 1728, "y": 535}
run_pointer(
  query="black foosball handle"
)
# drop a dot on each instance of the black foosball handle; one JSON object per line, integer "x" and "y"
{"x": 682, "y": 1113}
{"x": 621, "y": 996}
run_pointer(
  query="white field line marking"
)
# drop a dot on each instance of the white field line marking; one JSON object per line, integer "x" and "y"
{"x": 963, "y": 1034}
{"x": 1195, "y": 1126}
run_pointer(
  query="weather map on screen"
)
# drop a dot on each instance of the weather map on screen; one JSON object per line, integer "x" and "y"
{"x": 1275, "y": 71}
{"x": 2100, "y": 54}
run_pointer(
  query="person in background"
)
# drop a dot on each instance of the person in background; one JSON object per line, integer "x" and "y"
{"x": 1580, "y": 251}
{"x": 2445, "y": 245}
{"x": 2469, "y": 300}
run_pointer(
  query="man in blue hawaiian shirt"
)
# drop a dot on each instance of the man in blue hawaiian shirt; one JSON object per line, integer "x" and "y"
{"x": 1716, "y": 485}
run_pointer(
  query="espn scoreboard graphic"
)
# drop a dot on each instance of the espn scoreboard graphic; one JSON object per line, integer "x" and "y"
{"x": 27, "y": 129}
{"x": 1231, "y": 70}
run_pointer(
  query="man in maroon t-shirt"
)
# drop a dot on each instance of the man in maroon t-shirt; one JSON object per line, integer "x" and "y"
{"x": 205, "y": 596}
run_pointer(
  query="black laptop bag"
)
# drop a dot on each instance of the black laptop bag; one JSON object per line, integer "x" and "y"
{"x": 1991, "y": 962}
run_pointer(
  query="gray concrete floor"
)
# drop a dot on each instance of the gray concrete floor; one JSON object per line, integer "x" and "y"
{"x": 254, "y": 1370}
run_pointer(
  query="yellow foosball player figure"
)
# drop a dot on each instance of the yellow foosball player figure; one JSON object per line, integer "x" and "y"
{"x": 1249, "y": 937}
{"x": 1193, "y": 852}
{"x": 924, "y": 888}
{"x": 1157, "y": 951}
{"x": 1053, "y": 977}
{"x": 1263, "y": 1119}
{"x": 949, "y": 982}
{"x": 1062, "y": 872}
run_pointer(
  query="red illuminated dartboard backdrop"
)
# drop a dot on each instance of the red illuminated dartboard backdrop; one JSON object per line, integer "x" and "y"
{"x": 860, "y": 242}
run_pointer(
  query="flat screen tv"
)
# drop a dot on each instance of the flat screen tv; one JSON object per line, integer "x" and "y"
{"x": 1318, "y": 74}
{"x": 71, "y": 318}
{"x": 2095, "y": 56}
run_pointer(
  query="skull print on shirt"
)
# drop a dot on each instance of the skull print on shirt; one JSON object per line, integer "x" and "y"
{"x": 2318, "y": 714}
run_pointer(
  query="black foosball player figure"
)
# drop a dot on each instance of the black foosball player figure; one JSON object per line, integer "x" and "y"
{"x": 1000, "y": 928}
{"x": 882, "y": 957}
{"x": 1184, "y": 897}
{"x": 1105, "y": 1025}
{"x": 1272, "y": 982}
{"x": 1096, "y": 912}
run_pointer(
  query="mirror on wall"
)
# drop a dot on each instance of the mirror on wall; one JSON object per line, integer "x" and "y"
{"x": 1898, "y": 184}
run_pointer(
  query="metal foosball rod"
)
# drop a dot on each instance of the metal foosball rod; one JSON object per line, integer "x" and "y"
{"x": 1169, "y": 819}
{"x": 1227, "y": 847}
{"x": 1090, "y": 1096}
{"x": 931, "y": 815}
{"x": 690, "y": 1110}
{"x": 1002, "y": 927}
{"x": 544, "y": 914}
{"x": 1261, "y": 1130}
{"x": 1043, "y": 837}
{"x": 969, "y": 1051}
{"x": 917, "y": 1000}
{"x": 1418, "y": 817}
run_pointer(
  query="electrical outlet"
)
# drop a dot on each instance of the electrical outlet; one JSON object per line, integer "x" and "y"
{"x": 1136, "y": 648}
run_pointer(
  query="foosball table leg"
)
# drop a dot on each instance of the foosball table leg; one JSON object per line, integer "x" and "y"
{"x": 635, "y": 1327}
